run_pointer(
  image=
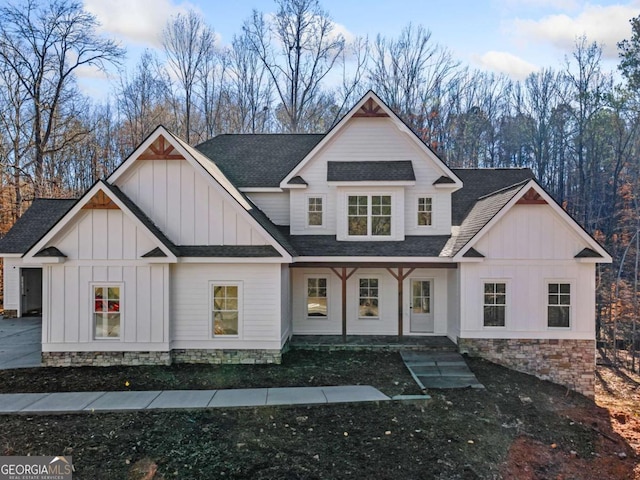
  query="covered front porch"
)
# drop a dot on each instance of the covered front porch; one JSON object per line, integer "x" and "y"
{"x": 381, "y": 300}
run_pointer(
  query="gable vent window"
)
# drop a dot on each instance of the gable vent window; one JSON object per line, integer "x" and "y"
{"x": 369, "y": 215}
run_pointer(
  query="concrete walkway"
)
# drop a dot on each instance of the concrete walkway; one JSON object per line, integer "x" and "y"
{"x": 89, "y": 402}
{"x": 20, "y": 342}
{"x": 439, "y": 370}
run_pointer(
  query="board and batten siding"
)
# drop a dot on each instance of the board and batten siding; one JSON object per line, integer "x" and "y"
{"x": 275, "y": 205}
{"x": 260, "y": 315}
{"x": 184, "y": 205}
{"x": 103, "y": 235}
{"x": 527, "y": 248}
{"x": 371, "y": 139}
{"x": 67, "y": 307}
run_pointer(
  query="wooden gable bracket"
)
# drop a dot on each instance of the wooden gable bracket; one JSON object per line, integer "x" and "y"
{"x": 370, "y": 109}
{"x": 161, "y": 149}
{"x": 400, "y": 277}
{"x": 100, "y": 201}
{"x": 531, "y": 198}
{"x": 344, "y": 276}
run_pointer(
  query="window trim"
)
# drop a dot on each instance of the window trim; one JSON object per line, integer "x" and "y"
{"x": 211, "y": 322}
{"x": 571, "y": 283}
{"x": 417, "y": 211}
{"x": 368, "y": 277}
{"x": 507, "y": 302}
{"x": 92, "y": 310}
{"x": 323, "y": 198}
{"x": 306, "y": 296}
{"x": 370, "y": 216}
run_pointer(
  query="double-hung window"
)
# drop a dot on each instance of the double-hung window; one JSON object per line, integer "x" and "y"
{"x": 317, "y": 297}
{"x": 368, "y": 306}
{"x": 495, "y": 304}
{"x": 107, "y": 316}
{"x": 559, "y": 305}
{"x": 369, "y": 215}
{"x": 225, "y": 309}
{"x": 425, "y": 211}
{"x": 314, "y": 211}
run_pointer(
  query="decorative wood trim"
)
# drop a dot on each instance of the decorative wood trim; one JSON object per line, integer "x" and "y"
{"x": 531, "y": 198}
{"x": 161, "y": 149}
{"x": 100, "y": 201}
{"x": 370, "y": 109}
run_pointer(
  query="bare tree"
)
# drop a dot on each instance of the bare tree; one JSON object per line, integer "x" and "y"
{"x": 299, "y": 48}
{"x": 45, "y": 43}
{"x": 188, "y": 43}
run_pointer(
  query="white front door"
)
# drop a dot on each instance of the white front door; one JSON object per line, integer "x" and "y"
{"x": 421, "y": 306}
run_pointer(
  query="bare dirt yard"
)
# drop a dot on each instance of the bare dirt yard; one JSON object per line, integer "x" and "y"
{"x": 517, "y": 428}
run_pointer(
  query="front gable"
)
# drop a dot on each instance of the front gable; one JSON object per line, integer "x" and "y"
{"x": 531, "y": 225}
{"x": 188, "y": 197}
{"x": 100, "y": 226}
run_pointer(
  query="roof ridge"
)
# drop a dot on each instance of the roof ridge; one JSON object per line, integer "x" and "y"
{"x": 504, "y": 189}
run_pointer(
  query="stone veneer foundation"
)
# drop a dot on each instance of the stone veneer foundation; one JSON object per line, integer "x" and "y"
{"x": 107, "y": 359}
{"x": 570, "y": 363}
{"x": 10, "y": 314}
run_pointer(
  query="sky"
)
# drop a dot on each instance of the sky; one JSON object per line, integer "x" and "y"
{"x": 515, "y": 37}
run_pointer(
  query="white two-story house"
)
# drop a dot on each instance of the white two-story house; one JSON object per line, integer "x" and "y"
{"x": 222, "y": 252}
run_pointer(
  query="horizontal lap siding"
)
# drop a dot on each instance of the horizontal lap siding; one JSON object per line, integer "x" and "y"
{"x": 186, "y": 208}
{"x": 274, "y": 204}
{"x": 261, "y": 304}
{"x": 68, "y": 306}
{"x": 370, "y": 139}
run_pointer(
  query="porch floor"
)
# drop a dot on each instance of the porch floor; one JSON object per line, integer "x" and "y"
{"x": 371, "y": 342}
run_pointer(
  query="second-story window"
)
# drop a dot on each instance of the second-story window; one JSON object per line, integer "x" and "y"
{"x": 314, "y": 211}
{"x": 425, "y": 211}
{"x": 369, "y": 215}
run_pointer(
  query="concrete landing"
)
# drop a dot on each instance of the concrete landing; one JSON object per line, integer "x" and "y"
{"x": 20, "y": 342}
{"x": 439, "y": 370}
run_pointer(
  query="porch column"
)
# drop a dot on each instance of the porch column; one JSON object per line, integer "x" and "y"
{"x": 400, "y": 277}
{"x": 344, "y": 276}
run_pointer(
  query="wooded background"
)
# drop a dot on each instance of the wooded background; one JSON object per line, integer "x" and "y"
{"x": 574, "y": 125}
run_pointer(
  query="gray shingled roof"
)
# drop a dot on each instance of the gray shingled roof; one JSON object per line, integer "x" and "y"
{"x": 233, "y": 251}
{"x": 258, "y": 160}
{"x": 481, "y": 213}
{"x": 588, "y": 253}
{"x": 43, "y": 214}
{"x": 328, "y": 246}
{"x": 479, "y": 183}
{"x": 50, "y": 252}
{"x": 370, "y": 171}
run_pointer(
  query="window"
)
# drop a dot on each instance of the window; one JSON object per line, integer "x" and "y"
{"x": 106, "y": 311}
{"x": 314, "y": 211}
{"x": 368, "y": 307}
{"x": 317, "y": 297}
{"x": 495, "y": 304}
{"x": 559, "y": 305}
{"x": 425, "y": 210}
{"x": 225, "y": 309}
{"x": 369, "y": 215}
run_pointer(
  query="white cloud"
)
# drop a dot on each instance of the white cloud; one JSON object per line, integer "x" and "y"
{"x": 139, "y": 22}
{"x": 559, "y": 5}
{"x": 603, "y": 24}
{"x": 504, "y": 62}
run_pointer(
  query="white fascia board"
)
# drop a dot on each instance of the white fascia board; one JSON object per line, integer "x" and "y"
{"x": 260, "y": 190}
{"x": 44, "y": 260}
{"x": 259, "y": 260}
{"x": 377, "y": 183}
{"x": 295, "y": 185}
{"x": 606, "y": 258}
{"x": 380, "y": 260}
{"x": 10, "y": 255}
{"x": 99, "y": 186}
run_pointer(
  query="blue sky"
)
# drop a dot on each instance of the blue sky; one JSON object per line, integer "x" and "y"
{"x": 514, "y": 37}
